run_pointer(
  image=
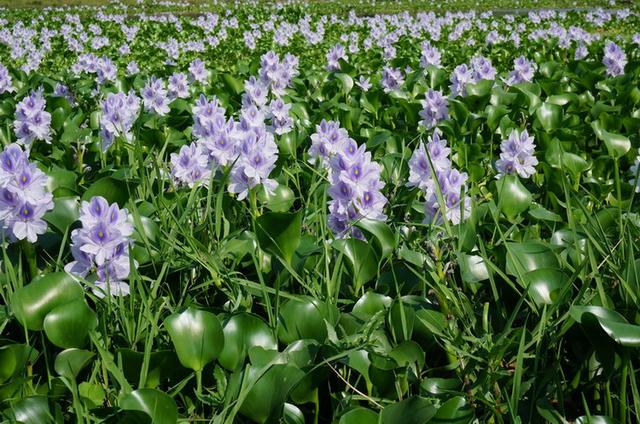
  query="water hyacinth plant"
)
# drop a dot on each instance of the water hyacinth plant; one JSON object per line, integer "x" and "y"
{"x": 325, "y": 212}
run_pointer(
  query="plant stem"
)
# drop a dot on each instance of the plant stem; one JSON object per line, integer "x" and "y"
{"x": 29, "y": 253}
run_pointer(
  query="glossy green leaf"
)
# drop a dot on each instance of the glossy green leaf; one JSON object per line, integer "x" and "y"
{"x": 361, "y": 257}
{"x": 614, "y": 324}
{"x": 268, "y": 391}
{"x": 197, "y": 337}
{"x": 529, "y": 256}
{"x": 158, "y": 405}
{"x": 359, "y": 415}
{"x": 384, "y": 237}
{"x": 454, "y": 411}
{"x": 33, "y": 302}
{"x": 414, "y": 410}
{"x": 281, "y": 199}
{"x": 279, "y": 233}
{"x": 617, "y": 145}
{"x": 68, "y": 325}
{"x": 550, "y": 116}
{"x": 70, "y": 362}
{"x": 242, "y": 332}
{"x": 513, "y": 197}
{"x": 545, "y": 284}
{"x": 13, "y": 358}
{"x": 65, "y": 212}
{"x": 369, "y": 304}
{"x": 33, "y": 409}
{"x": 111, "y": 189}
{"x": 345, "y": 81}
{"x": 305, "y": 318}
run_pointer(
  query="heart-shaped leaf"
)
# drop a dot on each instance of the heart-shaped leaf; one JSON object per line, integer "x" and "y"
{"x": 279, "y": 233}
{"x": 158, "y": 405}
{"x": 33, "y": 302}
{"x": 197, "y": 337}
{"x": 70, "y": 362}
{"x": 242, "y": 332}
{"x": 68, "y": 325}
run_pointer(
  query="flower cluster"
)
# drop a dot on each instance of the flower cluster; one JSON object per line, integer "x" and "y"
{"x": 517, "y": 155}
{"x": 430, "y": 55}
{"x": 614, "y": 59}
{"x": 276, "y": 74}
{"x": 431, "y": 170}
{"x": 523, "y": 71}
{"x": 32, "y": 122}
{"x": 191, "y": 165}
{"x": 334, "y": 55}
{"x": 355, "y": 179}
{"x": 102, "y": 245}
{"x": 155, "y": 96}
{"x": 435, "y": 108}
{"x": 392, "y": 79}
{"x": 6, "y": 83}
{"x": 119, "y": 113}
{"x": 480, "y": 69}
{"x": 23, "y": 195}
{"x": 257, "y": 153}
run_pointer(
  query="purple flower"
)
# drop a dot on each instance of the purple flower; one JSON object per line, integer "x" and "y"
{"x": 581, "y": 52}
{"x": 190, "y": 166}
{"x": 24, "y": 198}
{"x": 178, "y": 86}
{"x": 614, "y": 59}
{"x": 483, "y": 69}
{"x": 523, "y": 71}
{"x": 392, "y": 79}
{"x": 517, "y": 155}
{"x": 155, "y": 97}
{"x": 326, "y": 141}
{"x": 364, "y": 83}
{"x": 101, "y": 245}
{"x": 32, "y": 122}
{"x": 257, "y": 156}
{"x": 430, "y": 56}
{"x": 334, "y": 55}
{"x": 6, "y": 83}
{"x": 435, "y": 156}
{"x": 119, "y": 113}
{"x": 435, "y": 108}
{"x": 198, "y": 72}
{"x": 430, "y": 169}
{"x": 461, "y": 76}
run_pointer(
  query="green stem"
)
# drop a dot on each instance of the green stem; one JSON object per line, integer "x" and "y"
{"x": 199, "y": 383}
{"x": 623, "y": 387}
{"x": 29, "y": 252}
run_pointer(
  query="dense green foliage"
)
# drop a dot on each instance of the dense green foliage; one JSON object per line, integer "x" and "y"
{"x": 253, "y": 310}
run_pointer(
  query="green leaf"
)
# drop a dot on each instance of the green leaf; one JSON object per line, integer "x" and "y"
{"x": 513, "y": 197}
{"x": 305, "y": 318}
{"x": 233, "y": 83}
{"x": 158, "y": 405}
{"x": 545, "y": 284}
{"x": 454, "y": 411}
{"x": 33, "y": 302}
{"x": 414, "y": 410}
{"x": 268, "y": 391}
{"x": 111, "y": 189}
{"x": 68, "y": 325}
{"x": 242, "y": 332}
{"x": 617, "y": 145}
{"x": 614, "y": 324}
{"x": 369, "y": 304}
{"x": 65, "y": 212}
{"x": 529, "y": 256}
{"x": 279, "y": 200}
{"x": 197, "y": 337}
{"x": 13, "y": 359}
{"x": 359, "y": 415}
{"x": 279, "y": 233}
{"x": 384, "y": 237}
{"x": 472, "y": 268}
{"x": 362, "y": 258}
{"x": 345, "y": 81}
{"x": 550, "y": 116}
{"x": 70, "y": 362}
{"x": 33, "y": 409}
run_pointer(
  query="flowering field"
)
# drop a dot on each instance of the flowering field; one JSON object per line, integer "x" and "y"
{"x": 271, "y": 213}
